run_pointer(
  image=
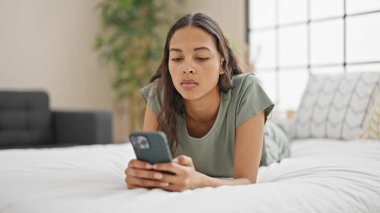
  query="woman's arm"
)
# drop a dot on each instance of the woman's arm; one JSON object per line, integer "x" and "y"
{"x": 248, "y": 146}
{"x": 150, "y": 120}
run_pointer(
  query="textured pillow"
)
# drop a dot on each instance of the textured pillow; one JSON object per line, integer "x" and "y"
{"x": 371, "y": 125}
{"x": 334, "y": 106}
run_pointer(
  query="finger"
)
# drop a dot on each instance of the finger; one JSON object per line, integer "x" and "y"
{"x": 141, "y": 182}
{"x": 139, "y": 164}
{"x": 170, "y": 187}
{"x": 166, "y": 186}
{"x": 138, "y": 187}
{"x": 131, "y": 186}
{"x": 170, "y": 178}
{"x": 185, "y": 160}
{"x": 146, "y": 174}
{"x": 129, "y": 181}
{"x": 168, "y": 167}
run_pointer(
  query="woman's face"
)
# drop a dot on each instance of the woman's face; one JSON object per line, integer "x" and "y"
{"x": 194, "y": 63}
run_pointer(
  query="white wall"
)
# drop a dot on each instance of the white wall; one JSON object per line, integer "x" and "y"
{"x": 47, "y": 44}
{"x": 230, "y": 16}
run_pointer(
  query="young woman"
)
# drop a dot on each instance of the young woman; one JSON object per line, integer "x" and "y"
{"x": 212, "y": 113}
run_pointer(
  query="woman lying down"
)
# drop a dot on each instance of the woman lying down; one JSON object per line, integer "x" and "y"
{"x": 212, "y": 114}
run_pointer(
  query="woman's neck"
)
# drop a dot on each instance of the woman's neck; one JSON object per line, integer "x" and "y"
{"x": 200, "y": 115}
{"x": 203, "y": 110}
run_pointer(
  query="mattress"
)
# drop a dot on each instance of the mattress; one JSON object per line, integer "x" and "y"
{"x": 320, "y": 176}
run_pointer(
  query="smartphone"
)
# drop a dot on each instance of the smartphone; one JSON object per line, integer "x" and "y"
{"x": 151, "y": 147}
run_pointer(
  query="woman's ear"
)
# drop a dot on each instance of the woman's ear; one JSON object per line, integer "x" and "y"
{"x": 221, "y": 71}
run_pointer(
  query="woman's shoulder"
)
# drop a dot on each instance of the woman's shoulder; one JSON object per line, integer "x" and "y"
{"x": 151, "y": 95}
{"x": 247, "y": 86}
{"x": 149, "y": 89}
{"x": 250, "y": 97}
{"x": 244, "y": 80}
{"x": 152, "y": 84}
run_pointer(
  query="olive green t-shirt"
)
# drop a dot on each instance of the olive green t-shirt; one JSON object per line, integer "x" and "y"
{"x": 213, "y": 154}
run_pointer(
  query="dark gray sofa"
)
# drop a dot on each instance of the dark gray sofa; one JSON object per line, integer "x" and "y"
{"x": 26, "y": 121}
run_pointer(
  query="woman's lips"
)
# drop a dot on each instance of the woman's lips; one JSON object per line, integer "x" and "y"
{"x": 189, "y": 84}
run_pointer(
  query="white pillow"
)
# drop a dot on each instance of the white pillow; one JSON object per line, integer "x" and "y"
{"x": 334, "y": 106}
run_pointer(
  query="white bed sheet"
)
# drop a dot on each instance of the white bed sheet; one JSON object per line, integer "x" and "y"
{"x": 321, "y": 176}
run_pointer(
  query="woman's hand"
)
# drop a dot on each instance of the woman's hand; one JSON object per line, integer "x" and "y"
{"x": 183, "y": 175}
{"x": 140, "y": 174}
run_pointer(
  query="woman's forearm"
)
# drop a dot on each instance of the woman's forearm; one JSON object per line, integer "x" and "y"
{"x": 207, "y": 181}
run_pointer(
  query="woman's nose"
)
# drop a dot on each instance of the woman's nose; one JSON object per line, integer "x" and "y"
{"x": 188, "y": 69}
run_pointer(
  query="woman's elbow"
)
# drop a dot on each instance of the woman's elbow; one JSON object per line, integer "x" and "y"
{"x": 246, "y": 180}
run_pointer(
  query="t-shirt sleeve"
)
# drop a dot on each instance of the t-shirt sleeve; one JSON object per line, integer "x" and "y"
{"x": 252, "y": 100}
{"x": 151, "y": 97}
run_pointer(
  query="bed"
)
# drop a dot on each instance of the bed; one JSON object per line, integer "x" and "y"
{"x": 333, "y": 166}
{"x": 323, "y": 175}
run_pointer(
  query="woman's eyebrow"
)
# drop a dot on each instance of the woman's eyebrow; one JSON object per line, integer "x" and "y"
{"x": 175, "y": 49}
{"x": 201, "y": 48}
{"x": 195, "y": 49}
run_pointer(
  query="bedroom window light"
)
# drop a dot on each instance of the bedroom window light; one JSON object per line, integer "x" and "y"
{"x": 292, "y": 11}
{"x": 263, "y": 49}
{"x": 326, "y": 42}
{"x": 262, "y": 13}
{"x": 326, "y": 8}
{"x": 317, "y": 36}
{"x": 363, "y": 68}
{"x": 363, "y": 46}
{"x": 355, "y": 6}
{"x": 268, "y": 80}
{"x": 292, "y": 84}
{"x": 331, "y": 70}
{"x": 293, "y": 46}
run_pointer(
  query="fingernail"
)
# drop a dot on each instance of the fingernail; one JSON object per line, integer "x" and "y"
{"x": 158, "y": 176}
{"x": 154, "y": 166}
{"x": 148, "y": 166}
{"x": 164, "y": 184}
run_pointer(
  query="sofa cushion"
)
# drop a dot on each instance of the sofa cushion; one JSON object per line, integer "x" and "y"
{"x": 335, "y": 106}
{"x": 25, "y": 118}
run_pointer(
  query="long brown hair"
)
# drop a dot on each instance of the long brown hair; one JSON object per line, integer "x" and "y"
{"x": 172, "y": 101}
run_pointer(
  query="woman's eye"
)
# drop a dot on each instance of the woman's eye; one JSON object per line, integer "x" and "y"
{"x": 202, "y": 58}
{"x": 176, "y": 59}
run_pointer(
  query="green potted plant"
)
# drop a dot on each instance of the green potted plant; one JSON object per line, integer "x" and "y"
{"x": 131, "y": 41}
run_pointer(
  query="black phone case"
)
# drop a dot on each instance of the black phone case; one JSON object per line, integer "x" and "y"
{"x": 158, "y": 152}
